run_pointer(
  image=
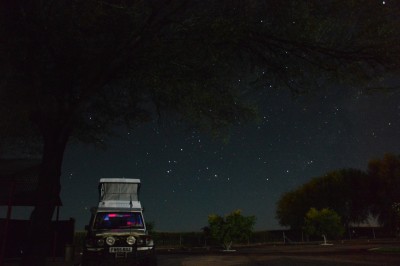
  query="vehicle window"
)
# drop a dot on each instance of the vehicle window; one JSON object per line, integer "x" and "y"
{"x": 118, "y": 220}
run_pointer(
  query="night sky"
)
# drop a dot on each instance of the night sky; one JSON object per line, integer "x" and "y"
{"x": 187, "y": 175}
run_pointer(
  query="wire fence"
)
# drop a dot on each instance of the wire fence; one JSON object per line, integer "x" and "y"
{"x": 200, "y": 239}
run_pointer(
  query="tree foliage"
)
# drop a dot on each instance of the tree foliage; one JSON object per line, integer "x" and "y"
{"x": 231, "y": 228}
{"x": 385, "y": 184}
{"x": 90, "y": 64}
{"x": 325, "y": 222}
{"x": 73, "y": 69}
{"x": 344, "y": 191}
{"x": 352, "y": 194}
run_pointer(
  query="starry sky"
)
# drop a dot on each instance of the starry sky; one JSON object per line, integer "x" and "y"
{"x": 187, "y": 175}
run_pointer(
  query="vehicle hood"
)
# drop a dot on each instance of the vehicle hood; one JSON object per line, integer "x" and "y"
{"x": 119, "y": 232}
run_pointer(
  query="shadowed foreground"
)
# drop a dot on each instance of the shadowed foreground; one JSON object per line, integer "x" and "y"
{"x": 277, "y": 255}
{"x": 354, "y": 253}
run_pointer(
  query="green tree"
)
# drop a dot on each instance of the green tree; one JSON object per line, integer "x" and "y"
{"x": 344, "y": 191}
{"x": 384, "y": 191}
{"x": 231, "y": 228}
{"x": 291, "y": 208}
{"x": 73, "y": 69}
{"x": 326, "y": 223}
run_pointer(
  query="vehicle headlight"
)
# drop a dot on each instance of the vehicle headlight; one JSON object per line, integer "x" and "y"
{"x": 131, "y": 240}
{"x": 100, "y": 242}
{"x": 110, "y": 240}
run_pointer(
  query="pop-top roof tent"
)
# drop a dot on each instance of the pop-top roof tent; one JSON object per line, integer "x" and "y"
{"x": 119, "y": 193}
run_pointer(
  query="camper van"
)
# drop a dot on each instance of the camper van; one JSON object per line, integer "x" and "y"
{"x": 117, "y": 230}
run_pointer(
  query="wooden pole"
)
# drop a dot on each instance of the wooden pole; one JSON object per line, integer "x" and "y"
{"x": 9, "y": 210}
{"x": 56, "y": 233}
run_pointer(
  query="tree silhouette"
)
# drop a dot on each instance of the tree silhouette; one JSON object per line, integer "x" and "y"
{"x": 74, "y": 69}
{"x": 385, "y": 186}
{"x": 345, "y": 191}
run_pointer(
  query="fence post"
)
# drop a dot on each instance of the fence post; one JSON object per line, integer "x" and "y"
{"x": 9, "y": 209}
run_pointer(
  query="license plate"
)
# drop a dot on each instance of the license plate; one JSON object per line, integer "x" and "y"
{"x": 120, "y": 249}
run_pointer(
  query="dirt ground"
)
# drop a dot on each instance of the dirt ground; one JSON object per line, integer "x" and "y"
{"x": 339, "y": 253}
{"x": 345, "y": 253}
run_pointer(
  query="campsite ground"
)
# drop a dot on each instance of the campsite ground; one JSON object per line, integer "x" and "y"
{"x": 360, "y": 252}
{"x": 340, "y": 253}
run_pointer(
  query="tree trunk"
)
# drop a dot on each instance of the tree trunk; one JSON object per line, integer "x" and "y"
{"x": 228, "y": 245}
{"x": 48, "y": 191}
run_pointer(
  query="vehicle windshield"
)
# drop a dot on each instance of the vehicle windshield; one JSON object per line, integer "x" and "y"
{"x": 118, "y": 220}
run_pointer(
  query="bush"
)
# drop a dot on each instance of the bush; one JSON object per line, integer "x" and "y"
{"x": 325, "y": 222}
{"x": 233, "y": 227}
